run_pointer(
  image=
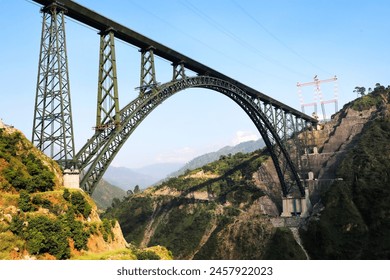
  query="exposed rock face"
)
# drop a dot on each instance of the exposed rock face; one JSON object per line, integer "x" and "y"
{"x": 336, "y": 138}
{"x": 97, "y": 244}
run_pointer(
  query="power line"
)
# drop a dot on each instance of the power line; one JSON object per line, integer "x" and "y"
{"x": 276, "y": 38}
{"x": 207, "y": 45}
{"x": 235, "y": 38}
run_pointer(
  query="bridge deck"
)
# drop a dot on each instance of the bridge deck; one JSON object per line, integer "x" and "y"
{"x": 101, "y": 23}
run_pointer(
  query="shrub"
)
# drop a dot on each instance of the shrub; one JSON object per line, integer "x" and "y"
{"x": 146, "y": 255}
{"x": 66, "y": 195}
{"x": 25, "y": 202}
{"x": 106, "y": 229}
{"x": 43, "y": 235}
{"x": 80, "y": 204}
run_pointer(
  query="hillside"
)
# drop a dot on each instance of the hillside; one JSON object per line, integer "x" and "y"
{"x": 144, "y": 177}
{"x": 217, "y": 211}
{"x": 352, "y": 218}
{"x": 228, "y": 209}
{"x": 40, "y": 219}
{"x": 104, "y": 194}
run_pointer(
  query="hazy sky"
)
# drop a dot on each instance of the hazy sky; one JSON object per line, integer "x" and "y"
{"x": 268, "y": 45}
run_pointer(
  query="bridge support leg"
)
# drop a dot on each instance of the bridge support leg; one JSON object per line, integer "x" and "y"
{"x": 148, "y": 73}
{"x": 178, "y": 71}
{"x": 53, "y": 128}
{"x": 107, "y": 102}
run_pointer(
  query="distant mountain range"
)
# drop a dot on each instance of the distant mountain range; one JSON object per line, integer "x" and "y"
{"x": 128, "y": 178}
{"x": 105, "y": 193}
{"x": 244, "y": 147}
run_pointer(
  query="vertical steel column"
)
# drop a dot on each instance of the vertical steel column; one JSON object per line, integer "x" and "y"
{"x": 280, "y": 124}
{"x": 107, "y": 113}
{"x": 148, "y": 72}
{"x": 178, "y": 71}
{"x": 269, "y": 113}
{"x": 53, "y": 127}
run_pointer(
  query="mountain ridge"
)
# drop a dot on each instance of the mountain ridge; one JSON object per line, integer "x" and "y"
{"x": 128, "y": 178}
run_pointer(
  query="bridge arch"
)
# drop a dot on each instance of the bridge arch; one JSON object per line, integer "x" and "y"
{"x": 97, "y": 154}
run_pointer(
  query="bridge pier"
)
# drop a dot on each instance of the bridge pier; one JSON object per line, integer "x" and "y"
{"x": 293, "y": 206}
{"x": 72, "y": 178}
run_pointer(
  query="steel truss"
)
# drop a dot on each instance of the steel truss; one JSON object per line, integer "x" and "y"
{"x": 178, "y": 71}
{"x": 107, "y": 100}
{"x": 95, "y": 157}
{"x": 53, "y": 128}
{"x": 148, "y": 73}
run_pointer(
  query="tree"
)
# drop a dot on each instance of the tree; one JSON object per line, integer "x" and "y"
{"x": 116, "y": 201}
{"x": 129, "y": 192}
{"x": 360, "y": 90}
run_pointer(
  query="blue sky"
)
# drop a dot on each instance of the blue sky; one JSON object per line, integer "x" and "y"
{"x": 268, "y": 45}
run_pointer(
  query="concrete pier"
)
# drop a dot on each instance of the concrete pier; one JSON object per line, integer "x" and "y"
{"x": 72, "y": 178}
{"x": 293, "y": 206}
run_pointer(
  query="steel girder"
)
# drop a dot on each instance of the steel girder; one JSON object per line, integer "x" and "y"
{"x": 107, "y": 100}
{"x": 53, "y": 128}
{"x": 97, "y": 154}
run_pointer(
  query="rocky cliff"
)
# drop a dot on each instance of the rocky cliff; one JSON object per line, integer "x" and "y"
{"x": 350, "y": 219}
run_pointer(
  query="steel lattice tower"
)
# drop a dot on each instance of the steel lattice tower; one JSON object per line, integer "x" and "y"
{"x": 53, "y": 127}
{"x": 107, "y": 100}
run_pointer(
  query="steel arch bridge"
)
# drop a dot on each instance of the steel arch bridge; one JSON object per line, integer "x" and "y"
{"x": 53, "y": 127}
{"x": 100, "y": 150}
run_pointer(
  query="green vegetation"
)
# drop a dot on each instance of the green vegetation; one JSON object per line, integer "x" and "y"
{"x": 104, "y": 194}
{"x": 283, "y": 246}
{"x": 132, "y": 253}
{"x": 146, "y": 255}
{"x": 80, "y": 204}
{"x": 106, "y": 229}
{"x": 25, "y": 203}
{"x": 8, "y": 243}
{"x": 210, "y": 250}
{"x": 43, "y": 235}
{"x": 230, "y": 181}
{"x": 50, "y": 234}
{"x": 23, "y": 171}
{"x": 373, "y": 98}
{"x": 133, "y": 214}
{"x": 184, "y": 227}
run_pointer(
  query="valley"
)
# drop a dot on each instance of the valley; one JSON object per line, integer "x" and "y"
{"x": 228, "y": 208}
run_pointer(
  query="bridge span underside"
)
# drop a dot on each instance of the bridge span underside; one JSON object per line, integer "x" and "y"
{"x": 275, "y": 121}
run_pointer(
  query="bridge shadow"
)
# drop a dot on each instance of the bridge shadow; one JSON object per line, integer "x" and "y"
{"x": 229, "y": 190}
